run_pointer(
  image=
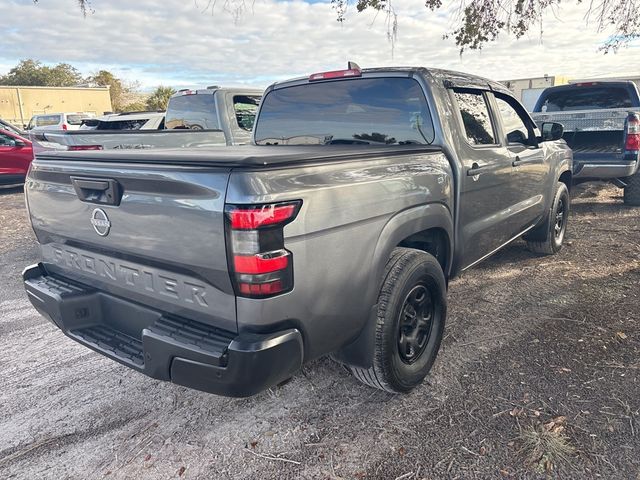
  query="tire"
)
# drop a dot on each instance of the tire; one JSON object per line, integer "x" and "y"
{"x": 556, "y": 226}
{"x": 412, "y": 309}
{"x": 632, "y": 191}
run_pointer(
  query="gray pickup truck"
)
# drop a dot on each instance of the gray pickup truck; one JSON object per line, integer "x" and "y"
{"x": 335, "y": 232}
{"x": 601, "y": 123}
{"x": 194, "y": 118}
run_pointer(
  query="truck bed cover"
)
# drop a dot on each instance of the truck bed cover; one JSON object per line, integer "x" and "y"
{"x": 239, "y": 156}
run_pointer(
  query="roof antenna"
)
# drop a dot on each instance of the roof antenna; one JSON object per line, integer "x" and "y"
{"x": 353, "y": 66}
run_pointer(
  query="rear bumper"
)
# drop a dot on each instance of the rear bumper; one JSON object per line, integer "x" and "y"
{"x": 603, "y": 170}
{"x": 163, "y": 346}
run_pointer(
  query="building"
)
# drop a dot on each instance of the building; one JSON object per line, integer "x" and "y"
{"x": 527, "y": 90}
{"x": 19, "y": 104}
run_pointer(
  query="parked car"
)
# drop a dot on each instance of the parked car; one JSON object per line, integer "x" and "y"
{"x": 225, "y": 269}
{"x": 57, "y": 121}
{"x": 602, "y": 125}
{"x": 126, "y": 121}
{"x": 15, "y": 157}
{"x": 194, "y": 118}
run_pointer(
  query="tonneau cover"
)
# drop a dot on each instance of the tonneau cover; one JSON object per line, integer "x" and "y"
{"x": 238, "y": 156}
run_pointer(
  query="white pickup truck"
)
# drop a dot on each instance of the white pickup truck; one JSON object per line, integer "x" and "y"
{"x": 208, "y": 117}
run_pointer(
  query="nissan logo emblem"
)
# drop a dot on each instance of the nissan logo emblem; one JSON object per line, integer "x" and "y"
{"x": 100, "y": 222}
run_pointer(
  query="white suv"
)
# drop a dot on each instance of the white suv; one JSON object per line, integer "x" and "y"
{"x": 57, "y": 121}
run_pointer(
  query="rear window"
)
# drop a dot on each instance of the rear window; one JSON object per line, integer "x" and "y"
{"x": 47, "y": 120}
{"x": 585, "y": 98}
{"x": 197, "y": 111}
{"x": 378, "y": 111}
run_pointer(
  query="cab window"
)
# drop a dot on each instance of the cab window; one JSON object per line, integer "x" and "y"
{"x": 475, "y": 118}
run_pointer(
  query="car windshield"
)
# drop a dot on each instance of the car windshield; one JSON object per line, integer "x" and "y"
{"x": 586, "y": 98}
{"x": 363, "y": 111}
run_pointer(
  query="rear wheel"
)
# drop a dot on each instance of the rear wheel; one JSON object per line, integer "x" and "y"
{"x": 632, "y": 191}
{"x": 410, "y": 322}
{"x": 556, "y": 227}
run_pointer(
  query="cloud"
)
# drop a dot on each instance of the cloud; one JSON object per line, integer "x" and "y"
{"x": 185, "y": 44}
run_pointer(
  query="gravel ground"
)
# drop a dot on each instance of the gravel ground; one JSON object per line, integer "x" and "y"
{"x": 538, "y": 377}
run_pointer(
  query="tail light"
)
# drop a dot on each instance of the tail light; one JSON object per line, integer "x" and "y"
{"x": 632, "y": 142}
{"x": 260, "y": 265}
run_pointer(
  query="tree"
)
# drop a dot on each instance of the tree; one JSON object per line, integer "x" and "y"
{"x": 134, "y": 107}
{"x": 122, "y": 93}
{"x": 159, "y": 99}
{"x": 33, "y": 73}
{"x": 482, "y": 21}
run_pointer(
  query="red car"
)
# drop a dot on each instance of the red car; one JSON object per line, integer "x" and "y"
{"x": 16, "y": 153}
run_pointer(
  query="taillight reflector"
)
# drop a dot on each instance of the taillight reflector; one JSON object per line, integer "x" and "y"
{"x": 261, "y": 289}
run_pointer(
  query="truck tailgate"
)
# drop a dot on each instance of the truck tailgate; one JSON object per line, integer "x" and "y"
{"x": 157, "y": 240}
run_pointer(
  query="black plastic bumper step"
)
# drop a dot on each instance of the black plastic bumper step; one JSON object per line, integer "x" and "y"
{"x": 193, "y": 333}
{"x": 111, "y": 341}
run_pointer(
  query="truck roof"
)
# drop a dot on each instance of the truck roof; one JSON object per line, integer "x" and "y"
{"x": 213, "y": 90}
{"x": 448, "y": 77}
{"x": 587, "y": 83}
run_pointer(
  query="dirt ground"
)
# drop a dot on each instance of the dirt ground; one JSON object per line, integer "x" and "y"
{"x": 538, "y": 377}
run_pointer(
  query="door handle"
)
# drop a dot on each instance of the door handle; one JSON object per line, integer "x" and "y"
{"x": 475, "y": 170}
{"x": 97, "y": 190}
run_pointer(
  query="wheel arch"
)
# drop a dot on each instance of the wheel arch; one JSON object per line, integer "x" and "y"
{"x": 428, "y": 228}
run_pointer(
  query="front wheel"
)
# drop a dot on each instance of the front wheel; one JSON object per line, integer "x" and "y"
{"x": 556, "y": 226}
{"x": 412, "y": 308}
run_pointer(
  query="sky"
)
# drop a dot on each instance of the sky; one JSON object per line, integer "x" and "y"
{"x": 195, "y": 43}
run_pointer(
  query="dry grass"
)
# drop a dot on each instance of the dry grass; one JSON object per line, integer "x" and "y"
{"x": 546, "y": 445}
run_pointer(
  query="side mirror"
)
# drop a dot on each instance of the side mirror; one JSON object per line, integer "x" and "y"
{"x": 551, "y": 131}
{"x": 19, "y": 143}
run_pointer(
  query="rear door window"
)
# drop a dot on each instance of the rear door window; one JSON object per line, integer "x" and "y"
{"x": 586, "y": 98}
{"x": 196, "y": 111}
{"x": 363, "y": 111}
{"x": 76, "y": 119}
{"x": 476, "y": 118}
